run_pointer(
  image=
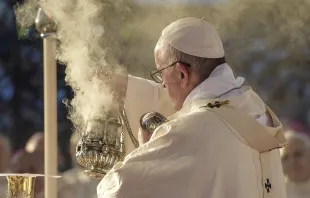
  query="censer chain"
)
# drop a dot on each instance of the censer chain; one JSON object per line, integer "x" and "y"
{"x": 127, "y": 125}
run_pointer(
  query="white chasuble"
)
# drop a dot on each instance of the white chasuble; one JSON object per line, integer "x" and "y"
{"x": 198, "y": 153}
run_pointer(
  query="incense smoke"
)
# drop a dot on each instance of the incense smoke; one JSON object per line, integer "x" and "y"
{"x": 86, "y": 36}
{"x": 88, "y": 31}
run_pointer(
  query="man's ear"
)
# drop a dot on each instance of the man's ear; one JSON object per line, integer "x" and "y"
{"x": 184, "y": 74}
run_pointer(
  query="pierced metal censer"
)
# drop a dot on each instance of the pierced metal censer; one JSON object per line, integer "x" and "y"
{"x": 101, "y": 145}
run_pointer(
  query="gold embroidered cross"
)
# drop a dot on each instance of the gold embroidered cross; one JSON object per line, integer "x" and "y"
{"x": 217, "y": 104}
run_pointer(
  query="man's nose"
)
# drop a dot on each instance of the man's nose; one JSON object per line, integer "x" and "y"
{"x": 163, "y": 84}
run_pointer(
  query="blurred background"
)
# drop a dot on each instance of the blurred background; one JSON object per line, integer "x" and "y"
{"x": 267, "y": 42}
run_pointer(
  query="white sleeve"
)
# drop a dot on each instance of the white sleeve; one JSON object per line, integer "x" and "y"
{"x": 144, "y": 96}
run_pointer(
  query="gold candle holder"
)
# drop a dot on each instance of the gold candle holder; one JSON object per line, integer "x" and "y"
{"x": 22, "y": 185}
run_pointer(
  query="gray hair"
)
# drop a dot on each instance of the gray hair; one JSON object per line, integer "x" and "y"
{"x": 201, "y": 66}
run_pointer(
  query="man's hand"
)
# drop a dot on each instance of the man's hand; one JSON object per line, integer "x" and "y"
{"x": 143, "y": 136}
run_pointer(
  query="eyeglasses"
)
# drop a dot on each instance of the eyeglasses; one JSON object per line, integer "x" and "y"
{"x": 157, "y": 74}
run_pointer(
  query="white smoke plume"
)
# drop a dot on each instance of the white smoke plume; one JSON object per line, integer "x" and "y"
{"x": 86, "y": 35}
{"x": 88, "y": 30}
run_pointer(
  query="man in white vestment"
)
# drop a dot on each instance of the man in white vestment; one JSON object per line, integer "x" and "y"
{"x": 220, "y": 140}
{"x": 296, "y": 164}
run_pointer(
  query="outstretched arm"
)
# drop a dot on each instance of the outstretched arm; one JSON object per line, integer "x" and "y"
{"x": 148, "y": 96}
{"x": 141, "y": 96}
{"x": 144, "y": 96}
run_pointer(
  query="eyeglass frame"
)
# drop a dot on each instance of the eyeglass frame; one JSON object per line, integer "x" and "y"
{"x": 160, "y": 71}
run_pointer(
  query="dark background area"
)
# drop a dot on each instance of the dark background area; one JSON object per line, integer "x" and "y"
{"x": 21, "y": 86}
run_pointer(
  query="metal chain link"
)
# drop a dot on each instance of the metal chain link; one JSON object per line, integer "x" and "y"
{"x": 127, "y": 125}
